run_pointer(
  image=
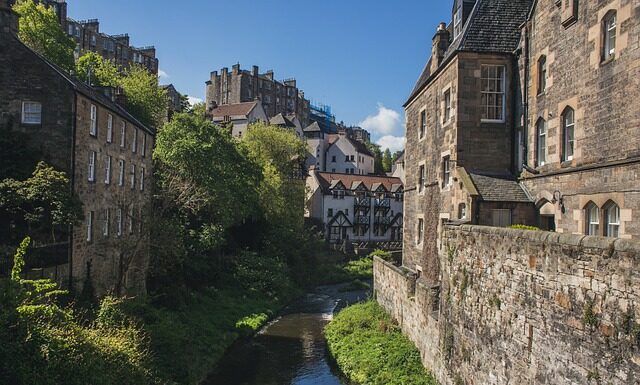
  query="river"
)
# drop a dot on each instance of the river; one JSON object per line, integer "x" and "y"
{"x": 290, "y": 350}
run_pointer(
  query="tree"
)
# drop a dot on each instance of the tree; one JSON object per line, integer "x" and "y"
{"x": 378, "y": 167}
{"x": 39, "y": 30}
{"x": 97, "y": 71}
{"x": 145, "y": 99}
{"x": 387, "y": 162}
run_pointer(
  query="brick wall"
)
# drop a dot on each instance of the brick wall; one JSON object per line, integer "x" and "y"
{"x": 522, "y": 307}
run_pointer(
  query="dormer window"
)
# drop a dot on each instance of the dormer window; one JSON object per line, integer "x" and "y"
{"x": 457, "y": 23}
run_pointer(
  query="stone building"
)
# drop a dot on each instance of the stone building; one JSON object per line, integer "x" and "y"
{"x": 356, "y": 207}
{"x": 117, "y": 48}
{"x": 174, "y": 101}
{"x": 337, "y": 153}
{"x": 239, "y": 116}
{"x": 104, "y": 150}
{"x": 580, "y": 66}
{"x": 242, "y": 86}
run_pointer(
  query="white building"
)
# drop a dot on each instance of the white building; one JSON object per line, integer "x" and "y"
{"x": 397, "y": 169}
{"x": 337, "y": 153}
{"x": 356, "y": 207}
{"x": 241, "y": 115}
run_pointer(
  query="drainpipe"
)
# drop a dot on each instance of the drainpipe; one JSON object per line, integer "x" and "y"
{"x": 525, "y": 109}
{"x": 74, "y": 123}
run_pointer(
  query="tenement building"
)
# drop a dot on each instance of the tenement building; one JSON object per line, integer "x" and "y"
{"x": 356, "y": 208}
{"x": 337, "y": 153}
{"x": 242, "y": 86}
{"x": 104, "y": 150}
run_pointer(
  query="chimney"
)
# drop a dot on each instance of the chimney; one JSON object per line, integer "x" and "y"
{"x": 439, "y": 46}
{"x": 120, "y": 98}
{"x": 235, "y": 69}
{"x": 8, "y": 18}
{"x": 269, "y": 74}
{"x": 255, "y": 70}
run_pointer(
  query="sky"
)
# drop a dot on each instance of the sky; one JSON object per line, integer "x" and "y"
{"x": 361, "y": 57}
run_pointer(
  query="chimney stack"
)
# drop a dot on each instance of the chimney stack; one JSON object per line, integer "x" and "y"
{"x": 440, "y": 45}
{"x": 8, "y": 18}
{"x": 255, "y": 70}
{"x": 235, "y": 69}
{"x": 269, "y": 74}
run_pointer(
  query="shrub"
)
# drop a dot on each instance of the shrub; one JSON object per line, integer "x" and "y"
{"x": 524, "y": 227}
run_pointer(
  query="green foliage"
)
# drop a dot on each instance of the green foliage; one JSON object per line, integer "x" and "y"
{"x": 371, "y": 350}
{"x": 17, "y": 157}
{"x": 145, "y": 99}
{"x": 589, "y": 317}
{"x": 387, "y": 161}
{"x": 524, "y": 227}
{"x": 253, "y": 322}
{"x": 97, "y": 71}
{"x": 378, "y": 167}
{"x": 18, "y": 260}
{"x": 40, "y": 31}
{"x": 261, "y": 274}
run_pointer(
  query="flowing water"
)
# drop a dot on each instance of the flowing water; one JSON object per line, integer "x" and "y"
{"x": 291, "y": 349}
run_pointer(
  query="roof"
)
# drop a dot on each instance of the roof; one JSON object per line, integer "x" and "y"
{"x": 329, "y": 179}
{"x": 492, "y": 27}
{"x": 88, "y": 91}
{"x": 400, "y": 158}
{"x": 500, "y": 189}
{"x": 313, "y": 127}
{"x": 281, "y": 120}
{"x": 237, "y": 109}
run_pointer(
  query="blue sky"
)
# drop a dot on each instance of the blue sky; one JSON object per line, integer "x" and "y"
{"x": 361, "y": 57}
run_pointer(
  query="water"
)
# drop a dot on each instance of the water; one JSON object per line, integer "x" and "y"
{"x": 291, "y": 349}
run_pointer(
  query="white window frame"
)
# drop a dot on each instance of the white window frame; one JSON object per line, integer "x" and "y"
{"x": 119, "y": 221}
{"x": 133, "y": 177}
{"x": 568, "y": 141}
{"x": 422, "y": 124}
{"x": 93, "y": 123}
{"x": 419, "y": 231}
{"x": 105, "y": 223}
{"x": 612, "y": 220}
{"x": 31, "y": 113}
{"x": 422, "y": 177}
{"x": 134, "y": 144}
{"x": 107, "y": 170}
{"x": 131, "y": 220}
{"x": 89, "y": 226}
{"x": 447, "y": 105}
{"x": 592, "y": 219}
{"x": 542, "y": 75}
{"x": 143, "y": 150}
{"x": 487, "y": 91}
{"x": 121, "y": 163}
{"x": 541, "y": 142}
{"x": 446, "y": 171}
{"x": 141, "y": 178}
{"x": 109, "y": 128}
{"x": 123, "y": 134}
{"x": 91, "y": 177}
{"x": 610, "y": 31}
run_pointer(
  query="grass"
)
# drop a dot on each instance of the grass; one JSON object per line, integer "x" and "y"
{"x": 370, "y": 349}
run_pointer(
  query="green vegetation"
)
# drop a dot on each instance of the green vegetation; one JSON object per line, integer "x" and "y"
{"x": 371, "y": 350}
{"x": 40, "y": 31}
{"x": 524, "y": 227}
{"x": 589, "y": 317}
{"x": 96, "y": 71}
{"x": 387, "y": 161}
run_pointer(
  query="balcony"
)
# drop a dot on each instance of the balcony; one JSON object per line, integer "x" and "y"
{"x": 383, "y": 203}
{"x": 362, "y": 202}
{"x": 362, "y": 220}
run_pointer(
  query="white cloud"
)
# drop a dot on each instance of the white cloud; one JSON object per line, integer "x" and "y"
{"x": 385, "y": 122}
{"x": 162, "y": 74}
{"x": 393, "y": 143}
{"x": 193, "y": 100}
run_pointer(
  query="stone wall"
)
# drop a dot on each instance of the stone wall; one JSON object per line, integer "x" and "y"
{"x": 522, "y": 307}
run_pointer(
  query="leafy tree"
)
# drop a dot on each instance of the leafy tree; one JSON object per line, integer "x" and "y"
{"x": 39, "y": 29}
{"x": 97, "y": 71}
{"x": 378, "y": 167}
{"x": 145, "y": 99}
{"x": 387, "y": 161}
{"x": 17, "y": 157}
{"x": 185, "y": 106}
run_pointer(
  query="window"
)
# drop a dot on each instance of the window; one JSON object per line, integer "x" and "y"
{"x": 107, "y": 170}
{"x": 501, "y": 217}
{"x": 121, "y": 176}
{"x": 71, "y": 29}
{"x": 492, "y": 97}
{"x": 346, "y": 212}
{"x": 541, "y": 144}
{"x": 330, "y": 213}
{"x": 91, "y": 176}
{"x": 612, "y": 220}
{"x": 131, "y": 220}
{"x": 610, "y": 26}
{"x": 457, "y": 23}
{"x": 143, "y": 149}
{"x": 462, "y": 211}
{"x": 353, "y": 158}
{"x": 133, "y": 176}
{"x": 346, "y": 158}
{"x": 89, "y": 226}
{"x": 447, "y": 106}
{"x": 592, "y": 219}
{"x": 542, "y": 74}
{"x": 421, "y": 178}
{"x": 568, "y": 128}
{"x": 142, "y": 179}
{"x": 105, "y": 223}
{"x": 420, "y": 231}
{"x": 446, "y": 171}
{"x": 94, "y": 120}
{"x": 31, "y": 113}
{"x": 119, "y": 221}
{"x": 109, "y": 128}
{"x": 123, "y": 134}
{"x": 423, "y": 124}
{"x": 134, "y": 144}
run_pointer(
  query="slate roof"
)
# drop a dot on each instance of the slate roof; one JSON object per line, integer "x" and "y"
{"x": 313, "y": 127}
{"x": 281, "y": 120}
{"x": 360, "y": 147}
{"x": 329, "y": 179}
{"x": 237, "y": 109}
{"x": 492, "y": 27}
{"x": 500, "y": 189}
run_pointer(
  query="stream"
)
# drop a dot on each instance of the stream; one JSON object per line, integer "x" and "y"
{"x": 291, "y": 349}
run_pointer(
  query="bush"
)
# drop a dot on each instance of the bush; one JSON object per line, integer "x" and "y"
{"x": 261, "y": 274}
{"x": 524, "y": 227}
{"x": 370, "y": 349}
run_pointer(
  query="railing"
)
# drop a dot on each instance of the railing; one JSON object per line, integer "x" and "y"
{"x": 362, "y": 220}
{"x": 383, "y": 203}
{"x": 363, "y": 202}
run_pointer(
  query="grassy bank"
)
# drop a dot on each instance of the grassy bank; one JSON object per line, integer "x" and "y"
{"x": 371, "y": 350}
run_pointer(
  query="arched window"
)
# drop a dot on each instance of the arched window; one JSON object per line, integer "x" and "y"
{"x": 592, "y": 217}
{"x": 611, "y": 220}
{"x": 609, "y": 27}
{"x": 542, "y": 74}
{"x": 541, "y": 142}
{"x": 568, "y": 131}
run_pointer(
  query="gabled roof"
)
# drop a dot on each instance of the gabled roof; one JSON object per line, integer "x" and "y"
{"x": 313, "y": 127}
{"x": 337, "y": 183}
{"x": 328, "y": 179}
{"x": 236, "y": 109}
{"x": 396, "y": 187}
{"x": 360, "y": 147}
{"x": 500, "y": 189}
{"x": 492, "y": 27}
{"x": 400, "y": 158}
{"x": 281, "y": 120}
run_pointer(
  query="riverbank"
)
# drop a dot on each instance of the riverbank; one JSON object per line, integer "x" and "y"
{"x": 370, "y": 349}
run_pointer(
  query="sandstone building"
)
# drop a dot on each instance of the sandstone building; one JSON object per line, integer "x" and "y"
{"x": 104, "y": 150}
{"x": 243, "y": 86}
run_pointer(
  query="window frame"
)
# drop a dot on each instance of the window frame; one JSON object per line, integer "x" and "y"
{"x": 25, "y": 113}
{"x": 419, "y": 231}
{"x": 541, "y": 142}
{"x": 142, "y": 171}
{"x": 422, "y": 178}
{"x": 119, "y": 222}
{"x": 109, "y": 128}
{"x": 447, "y": 105}
{"x": 568, "y": 141}
{"x": 592, "y": 225}
{"x": 105, "y": 223}
{"x": 485, "y": 106}
{"x": 107, "y": 170}
{"x": 93, "y": 120}
{"x": 610, "y": 34}
{"x": 422, "y": 129}
{"x": 542, "y": 75}
{"x": 91, "y": 177}
{"x": 611, "y": 228}
{"x": 123, "y": 134}
{"x": 446, "y": 171}
{"x": 90, "y": 226}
